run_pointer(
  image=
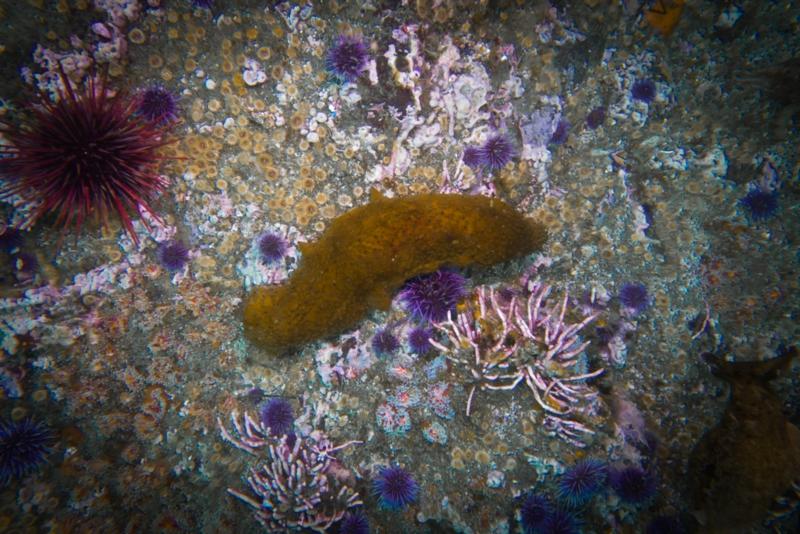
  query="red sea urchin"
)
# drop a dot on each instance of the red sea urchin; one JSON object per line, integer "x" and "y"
{"x": 87, "y": 154}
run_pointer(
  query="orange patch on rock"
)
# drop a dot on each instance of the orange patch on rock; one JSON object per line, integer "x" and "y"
{"x": 665, "y": 16}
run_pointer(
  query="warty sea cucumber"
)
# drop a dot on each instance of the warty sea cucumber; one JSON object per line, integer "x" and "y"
{"x": 366, "y": 255}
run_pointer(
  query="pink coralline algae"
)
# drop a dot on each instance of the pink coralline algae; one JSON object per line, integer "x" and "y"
{"x": 119, "y": 12}
{"x": 438, "y": 400}
{"x": 434, "y": 432}
{"x": 345, "y": 359}
{"x": 509, "y": 337}
{"x": 297, "y": 483}
{"x": 405, "y": 397}
{"x": 394, "y": 420}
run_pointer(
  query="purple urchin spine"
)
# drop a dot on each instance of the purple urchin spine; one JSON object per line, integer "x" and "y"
{"x": 633, "y": 484}
{"x": 533, "y": 513}
{"x": 643, "y": 91}
{"x": 419, "y": 340}
{"x": 759, "y": 203}
{"x": 430, "y": 297}
{"x": 395, "y": 488}
{"x": 384, "y": 343}
{"x": 634, "y": 297}
{"x": 596, "y": 118}
{"x": 582, "y": 481}
{"x": 472, "y": 157}
{"x": 498, "y": 151}
{"x": 276, "y": 414}
{"x": 173, "y": 255}
{"x": 24, "y": 445}
{"x": 272, "y": 247}
{"x": 347, "y": 58}
{"x": 157, "y": 104}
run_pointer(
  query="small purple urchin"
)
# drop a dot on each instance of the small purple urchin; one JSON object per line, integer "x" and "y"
{"x": 760, "y": 204}
{"x": 348, "y": 58}
{"x": 173, "y": 254}
{"x": 634, "y": 297}
{"x": 561, "y": 133}
{"x": 419, "y": 340}
{"x": 276, "y": 414}
{"x": 561, "y": 521}
{"x": 472, "y": 157}
{"x": 354, "y": 523}
{"x": 23, "y": 446}
{"x": 395, "y": 488}
{"x": 157, "y": 104}
{"x": 429, "y": 297}
{"x": 596, "y": 118}
{"x": 497, "y": 151}
{"x": 633, "y": 484}
{"x": 534, "y": 512}
{"x": 643, "y": 91}
{"x": 582, "y": 481}
{"x": 272, "y": 247}
{"x": 384, "y": 342}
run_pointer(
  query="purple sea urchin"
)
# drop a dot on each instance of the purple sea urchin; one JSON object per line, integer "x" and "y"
{"x": 271, "y": 247}
{"x": 634, "y": 297}
{"x": 89, "y": 154}
{"x": 157, "y": 104}
{"x": 347, "y": 58}
{"x": 582, "y": 481}
{"x": 384, "y": 342}
{"x": 23, "y": 446}
{"x": 419, "y": 340}
{"x": 497, "y": 151}
{"x": 643, "y": 91}
{"x": 429, "y": 297}
{"x": 395, "y": 488}
{"x": 276, "y": 414}
{"x": 472, "y": 157}
{"x": 596, "y": 118}
{"x": 354, "y": 523}
{"x": 534, "y": 512}
{"x": 633, "y": 484}
{"x": 560, "y": 521}
{"x": 760, "y": 204}
{"x": 172, "y": 255}
{"x": 561, "y": 133}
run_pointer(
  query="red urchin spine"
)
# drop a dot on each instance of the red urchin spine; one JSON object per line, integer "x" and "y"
{"x": 84, "y": 155}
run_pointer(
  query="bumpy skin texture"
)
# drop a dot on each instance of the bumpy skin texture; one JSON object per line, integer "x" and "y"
{"x": 367, "y": 253}
{"x": 751, "y": 456}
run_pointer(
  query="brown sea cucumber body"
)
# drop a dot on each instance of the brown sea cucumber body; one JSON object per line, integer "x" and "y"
{"x": 752, "y": 456}
{"x": 366, "y": 255}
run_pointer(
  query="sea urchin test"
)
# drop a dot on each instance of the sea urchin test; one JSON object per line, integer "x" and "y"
{"x": 366, "y": 255}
